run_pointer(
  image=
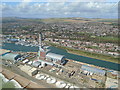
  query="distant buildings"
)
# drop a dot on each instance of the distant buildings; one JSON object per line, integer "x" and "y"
{"x": 102, "y": 48}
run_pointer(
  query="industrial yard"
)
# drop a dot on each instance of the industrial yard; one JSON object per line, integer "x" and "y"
{"x": 69, "y": 44}
{"x": 55, "y": 75}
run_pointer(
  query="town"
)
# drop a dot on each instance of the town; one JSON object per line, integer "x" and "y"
{"x": 54, "y": 70}
{"x": 100, "y": 37}
{"x": 59, "y": 44}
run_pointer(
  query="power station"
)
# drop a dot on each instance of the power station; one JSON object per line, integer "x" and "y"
{"x": 48, "y": 58}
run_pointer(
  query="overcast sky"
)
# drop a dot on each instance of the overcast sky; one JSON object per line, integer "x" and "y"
{"x": 63, "y": 8}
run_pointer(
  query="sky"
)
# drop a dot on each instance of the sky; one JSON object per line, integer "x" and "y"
{"x": 60, "y": 9}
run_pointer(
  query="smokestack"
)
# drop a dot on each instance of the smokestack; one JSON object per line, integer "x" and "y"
{"x": 40, "y": 44}
{"x": 41, "y": 52}
{"x": 40, "y": 40}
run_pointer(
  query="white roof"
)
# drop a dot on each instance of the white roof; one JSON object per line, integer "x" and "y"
{"x": 51, "y": 80}
{"x": 49, "y": 63}
{"x": 10, "y": 56}
{"x": 60, "y": 84}
{"x": 55, "y": 56}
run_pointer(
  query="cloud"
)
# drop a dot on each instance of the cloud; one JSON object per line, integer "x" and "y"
{"x": 61, "y": 0}
{"x": 62, "y": 9}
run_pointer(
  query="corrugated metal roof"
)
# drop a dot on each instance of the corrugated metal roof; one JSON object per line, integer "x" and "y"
{"x": 3, "y": 52}
{"x": 55, "y": 56}
{"x": 93, "y": 70}
{"x": 10, "y": 56}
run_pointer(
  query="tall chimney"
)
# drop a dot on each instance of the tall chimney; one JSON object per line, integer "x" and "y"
{"x": 40, "y": 45}
{"x": 40, "y": 40}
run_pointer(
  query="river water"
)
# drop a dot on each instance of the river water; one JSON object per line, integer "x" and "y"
{"x": 100, "y": 63}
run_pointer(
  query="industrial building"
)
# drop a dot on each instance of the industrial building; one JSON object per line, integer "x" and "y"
{"x": 91, "y": 70}
{"x": 47, "y": 57}
{"x": 36, "y": 63}
{"x": 41, "y": 63}
{"x": 3, "y": 52}
{"x": 55, "y": 58}
{"x": 11, "y": 56}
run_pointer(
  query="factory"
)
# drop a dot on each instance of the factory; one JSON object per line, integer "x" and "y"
{"x": 48, "y": 57}
{"x": 3, "y": 52}
{"x": 7, "y": 55}
{"x": 11, "y": 56}
{"x": 44, "y": 57}
{"x": 55, "y": 58}
{"x": 91, "y": 70}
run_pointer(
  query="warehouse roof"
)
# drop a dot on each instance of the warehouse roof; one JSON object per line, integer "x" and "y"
{"x": 93, "y": 70}
{"x": 55, "y": 56}
{"x": 3, "y": 52}
{"x": 36, "y": 63}
{"x": 42, "y": 61}
{"x": 11, "y": 56}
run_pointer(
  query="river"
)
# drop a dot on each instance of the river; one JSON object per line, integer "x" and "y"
{"x": 100, "y": 63}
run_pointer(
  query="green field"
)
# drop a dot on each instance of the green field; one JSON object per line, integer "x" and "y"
{"x": 108, "y": 39}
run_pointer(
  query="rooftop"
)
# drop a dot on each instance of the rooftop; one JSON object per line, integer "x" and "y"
{"x": 55, "y": 56}
{"x": 93, "y": 70}
{"x": 3, "y": 51}
{"x": 11, "y": 56}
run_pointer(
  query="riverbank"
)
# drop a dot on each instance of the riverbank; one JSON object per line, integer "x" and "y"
{"x": 74, "y": 57}
{"x": 87, "y": 54}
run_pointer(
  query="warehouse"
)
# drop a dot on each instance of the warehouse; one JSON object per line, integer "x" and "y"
{"x": 92, "y": 70}
{"x": 3, "y": 52}
{"x": 36, "y": 63}
{"x": 55, "y": 58}
{"x": 11, "y": 57}
{"x": 43, "y": 63}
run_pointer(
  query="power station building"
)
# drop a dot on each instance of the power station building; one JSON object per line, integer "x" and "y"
{"x": 55, "y": 58}
{"x": 51, "y": 57}
{"x": 48, "y": 56}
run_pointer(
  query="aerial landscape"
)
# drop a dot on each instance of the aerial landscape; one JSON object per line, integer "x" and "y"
{"x": 59, "y": 44}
